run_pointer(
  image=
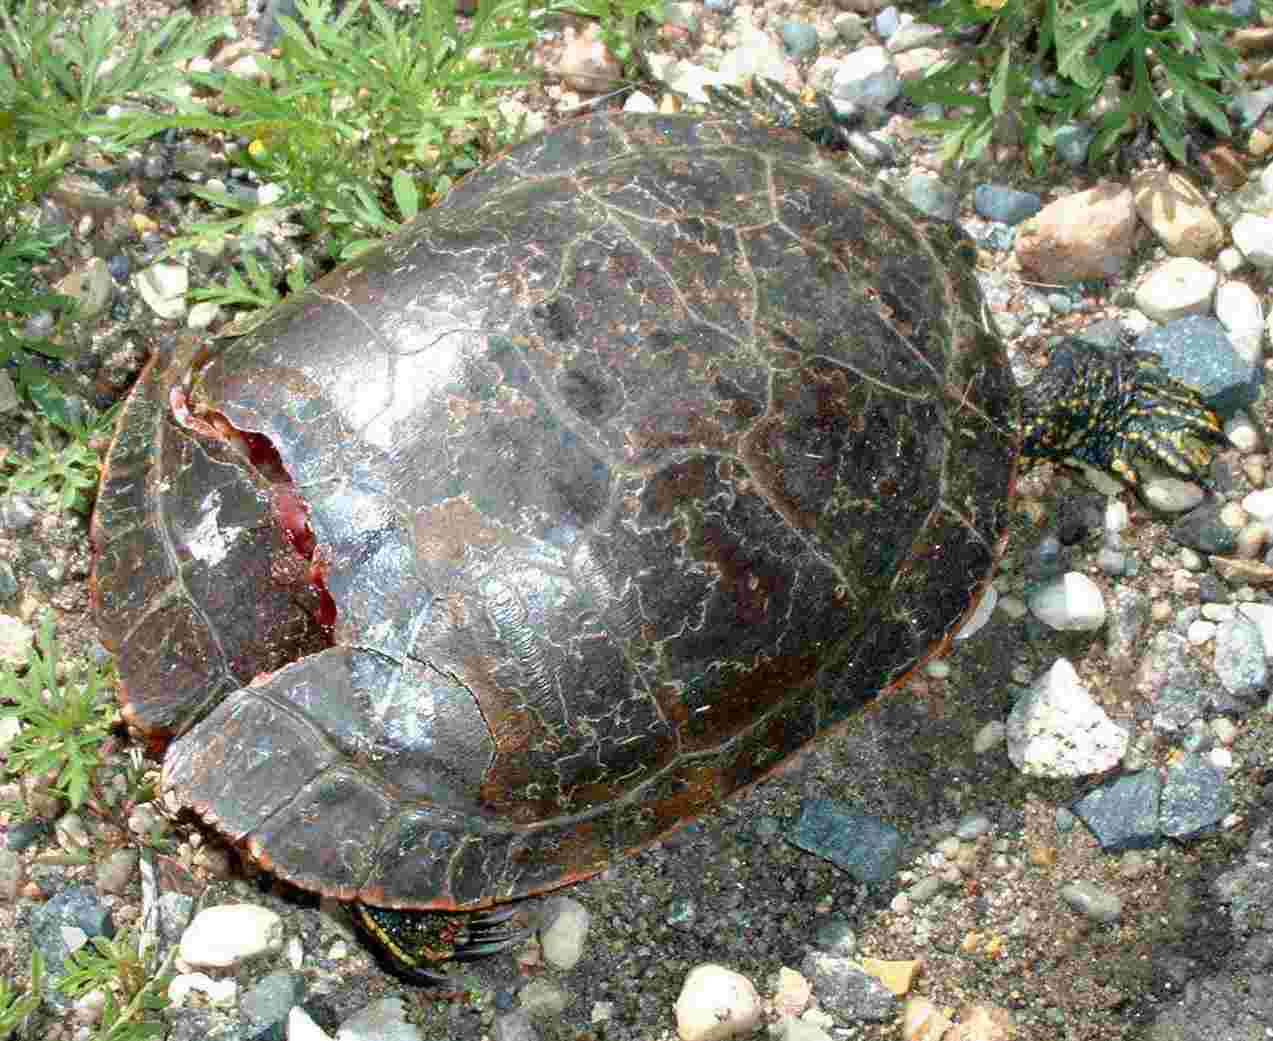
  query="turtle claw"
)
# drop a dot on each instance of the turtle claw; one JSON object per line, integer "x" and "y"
{"x": 488, "y": 933}
{"x": 1110, "y": 408}
{"x": 769, "y": 102}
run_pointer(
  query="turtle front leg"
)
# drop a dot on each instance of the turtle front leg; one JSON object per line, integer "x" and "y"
{"x": 1107, "y": 408}
{"x": 771, "y": 104}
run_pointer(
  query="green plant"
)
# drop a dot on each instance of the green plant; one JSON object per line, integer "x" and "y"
{"x": 354, "y": 98}
{"x": 73, "y": 67}
{"x": 18, "y": 297}
{"x": 67, "y": 473}
{"x": 16, "y": 1005}
{"x": 1041, "y": 63}
{"x": 64, "y": 721}
{"x": 116, "y": 968}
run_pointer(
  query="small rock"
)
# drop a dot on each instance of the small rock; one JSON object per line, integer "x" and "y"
{"x": 923, "y": 1021}
{"x": 586, "y": 64}
{"x": 1179, "y": 287}
{"x": 1178, "y": 213}
{"x": 383, "y": 1020}
{"x": 1004, "y": 204}
{"x": 163, "y": 286}
{"x": 1092, "y": 900}
{"x": 15, "y": 640}
{"x": 542, "y": 999}
{"x": 1124, "y": 813}
{"x": 218, "y": 992}
{"x": 716, "y": 1003}
{"x": 563, "y": 938}
{"x": 90, "y": 286}
{"x": 1253, "y": 235}
{"x": 1195, "y": 798}
{"x": 1057, "y": 730}
{"x": 863, "y": 845}
{"x": 1073, "y": 603}
{"x": 897, "y": 976}
{"x": 867, "y": 77}
{"x": 844, "y": 987}
{"x": 229, "y": 934}
{"x": 1087, "y": 235}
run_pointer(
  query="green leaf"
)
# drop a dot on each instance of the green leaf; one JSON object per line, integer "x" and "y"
{"x": 999, "y": 84}
{"x": 406, "y": 195}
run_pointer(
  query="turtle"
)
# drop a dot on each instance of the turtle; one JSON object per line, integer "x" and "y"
{"x": 657, "y": 449}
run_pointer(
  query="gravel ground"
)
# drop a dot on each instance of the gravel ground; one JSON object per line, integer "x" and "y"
{"x": 730, "y": 889}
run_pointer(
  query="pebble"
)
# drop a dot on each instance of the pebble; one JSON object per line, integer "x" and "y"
{"x": 867, "y": 77}
{"x": 1195, "y": 797}
{"x": 1253, "y": 236}
{"x": 563, "y": 938}
{"x": 230, "y": 934}
{"x": 218, "y": 992}
{"x": 1176, "y": 288}
{"x": 163, "y": 287}
{"x": 15, "y": 640}
{"x": 864, "y": 846}
{"x": 1096, "y": 902}
{"x": 1056, "y": 729}
{"x": 1123, "y": 814}
{"x": 1073, "y": 603}
{"x": 716, "y": 1003}
{"x": 383, "y": 1020}
{"x": 843, "y": 987}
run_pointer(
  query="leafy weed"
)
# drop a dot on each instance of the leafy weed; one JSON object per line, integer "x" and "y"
{"x": 1039, "y": 64}
{"x": 64, "y": 721}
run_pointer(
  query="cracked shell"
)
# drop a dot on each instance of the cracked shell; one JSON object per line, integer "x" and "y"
{"x": 657, "y": 449}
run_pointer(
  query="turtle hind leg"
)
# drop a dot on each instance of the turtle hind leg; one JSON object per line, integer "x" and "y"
{"x": 407, "y": 943}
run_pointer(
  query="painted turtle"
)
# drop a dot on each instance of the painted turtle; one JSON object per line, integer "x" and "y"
{"x": 658, "y": 448}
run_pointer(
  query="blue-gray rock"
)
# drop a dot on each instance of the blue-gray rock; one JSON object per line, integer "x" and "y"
{"x": 265, "y": 1006}
{"x": 1124, "y": 813}
{"x": 1239, "y": 662}
{"x": 1071, "y": 142}
{"x": 1178, "y": 687}
{"x": 845, "y": 988}
{"x": 1008, "y": 205}
{"x": 835, "y": 935}
{"x": 931, "y": 195}
{"x": 1196, "y": 350}
{"x": 864, "y": 846}
{"x": 22, "y": 834}
{"x": 1195, "y": 797}
{"x": 1249, "y": 106}
{"x": 74, "y": 908}
{"x": 997, "y": 237}
{"x": 972, "y": 826}
{"x": 799, "y": 39}
{"x": 1204, "y": 530}
{"x": 120, "y": 267}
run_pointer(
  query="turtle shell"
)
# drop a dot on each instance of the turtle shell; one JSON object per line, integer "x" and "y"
{"x": 658, "y": 448}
